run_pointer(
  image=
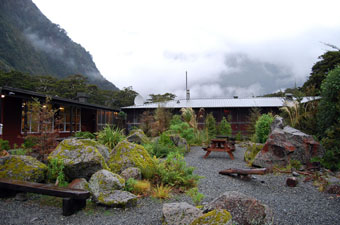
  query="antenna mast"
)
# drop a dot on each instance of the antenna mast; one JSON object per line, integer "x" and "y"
{"x": 186, "y": 86}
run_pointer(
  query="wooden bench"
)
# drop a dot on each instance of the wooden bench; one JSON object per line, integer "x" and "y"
{"x": 73, "y": 199}
{"x": 220, "y": 145}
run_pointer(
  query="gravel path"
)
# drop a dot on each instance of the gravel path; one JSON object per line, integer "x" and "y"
{"x": 303, "y": 204}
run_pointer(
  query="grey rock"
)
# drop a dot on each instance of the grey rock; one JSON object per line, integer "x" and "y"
{"x": 244, "y": 209}
{"x": 117, "y": 198}
{"x": 81, "y": 157}
{"x": 131, "y": 172}
{"x": 216, "y": 217}
{"x": 103, "y": 181}
{"x": 180, "y": 213}
{"x": 22, "y": 196}
{"x": 277, "y": 123}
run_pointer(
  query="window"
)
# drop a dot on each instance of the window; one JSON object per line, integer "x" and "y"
{"x": 64, "y": 119}
{"x": 104, "y": 117}
{"x": 33, "y": 119}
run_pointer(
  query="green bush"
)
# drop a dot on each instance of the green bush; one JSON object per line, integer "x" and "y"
{"x": 176, "y": 119}
{"x": 329, "y": 119}
{"x": 110, "y": 136}
{"x": 224, "y": 128}
{"x": 210, "y": 125}
{"x": 129, "y": 184}
{"x": 262, "y": 127}
{"x": 55, "y": 172}
{"x": 173, "y": 172}
{"x": 239, "y": 136}
{"x": 4, "y": 144}
{"x": 195, "y": 196}
{"x": 163, "y": 146}
{"x": 30, "y": 141}
{"x": 85, "y": 134}
{"x": 184, "y": 130}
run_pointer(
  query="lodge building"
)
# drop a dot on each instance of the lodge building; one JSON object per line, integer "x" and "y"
{"x": 18, "y": 120}
{"x": 237, "y": 110}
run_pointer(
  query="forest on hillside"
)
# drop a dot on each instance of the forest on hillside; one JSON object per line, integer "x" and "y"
{"x": 68, "y": 87}
{"x": 31, "y": 43}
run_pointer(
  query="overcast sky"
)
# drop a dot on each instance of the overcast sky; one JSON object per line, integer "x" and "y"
{"x": 229, "y": 48}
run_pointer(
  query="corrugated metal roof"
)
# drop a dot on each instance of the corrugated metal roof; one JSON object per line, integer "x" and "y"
{"x": 219, "y": 103}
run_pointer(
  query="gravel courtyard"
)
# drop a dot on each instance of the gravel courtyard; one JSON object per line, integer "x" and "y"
{"x": 303, "y": 204}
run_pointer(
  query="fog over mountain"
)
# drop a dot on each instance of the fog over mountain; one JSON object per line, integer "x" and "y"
{"x": 229, "y": 48}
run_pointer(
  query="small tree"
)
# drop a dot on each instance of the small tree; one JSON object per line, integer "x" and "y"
{"x": 162, "y": 121}
{"x": 224, "y": 128}
{"x": 146, "y": 122}
{"x": 262, "y": 127}
{"x": 210, "y": 125}
{"x": 45, "y": 139}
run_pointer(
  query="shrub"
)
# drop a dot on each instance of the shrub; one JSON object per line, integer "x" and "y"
{"x": 129, "y": 184}
{"x": 224, "y": 128}
{"x": 210, "y": 125}
{"x": 184, "y": 130}
{"x": 239, "y": 136}
{"x": 141, "y": 187}
{"x": 162, "y": 121}
{"x": 55, "y": 172}
{"x": 189, "y": 116}
{"x": 4, "y": 144}
{"x": 85, "y": 134}
{"x": 146, "y": 122}
{"x": 251, "y": 152}
{"x": 176, "y": 119}
{"x": 30, "y": 142}
{"x": 161, "y": 191}
{"x": 262, "y": 127}
{"x": 174, "y": 172}
{"x": 196, "y": 196}
{"x": 110, "y": 136}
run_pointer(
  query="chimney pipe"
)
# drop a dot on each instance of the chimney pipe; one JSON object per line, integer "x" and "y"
{"x": 186, "y": 86}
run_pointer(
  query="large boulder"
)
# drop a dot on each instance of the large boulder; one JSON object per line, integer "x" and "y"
{"x": 21, "y": 167}
{"x": 286, "y": 144}
{"x": 126, "y": 155}
{"x": 245, "y": 210}
{"x": 105, "y": 188}
{"x": 180, "y": 213}
{"x": 81, "y": 157}
{"x": 216, "y": 217}
{"x": 138, "y": 137}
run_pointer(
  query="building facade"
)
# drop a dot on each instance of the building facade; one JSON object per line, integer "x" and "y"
{"x": 18, "y": 119}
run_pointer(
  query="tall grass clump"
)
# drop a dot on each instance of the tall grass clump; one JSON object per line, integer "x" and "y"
{"x": 110, "y": 136}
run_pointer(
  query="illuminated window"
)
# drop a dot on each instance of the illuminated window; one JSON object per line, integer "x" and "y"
{"x": 64, "y": 119}
{"x": 104, "y": 117}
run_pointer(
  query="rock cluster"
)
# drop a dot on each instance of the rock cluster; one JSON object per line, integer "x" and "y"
{"x": 230, "y": 208}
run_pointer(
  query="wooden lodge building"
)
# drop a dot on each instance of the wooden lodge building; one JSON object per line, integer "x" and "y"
{"x": 18, "y": 120}
{"x": 237, "y": 110}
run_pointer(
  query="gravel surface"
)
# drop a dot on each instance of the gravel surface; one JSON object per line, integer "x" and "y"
{"x": 303, "y": 204}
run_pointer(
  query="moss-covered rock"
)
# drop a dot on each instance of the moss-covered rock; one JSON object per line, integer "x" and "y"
{"x": 126, "y": 155}
{"x": 79, "y": 183}
{"x": 21, "y": 167}
{"x": 215, "y": 217}
{"x": 104, "y": 180}
{"x": 105, "y": 188}
{"x": 81, "y": 157}
{"x": 117, "y": 198}
{"x": 138, "y": 137}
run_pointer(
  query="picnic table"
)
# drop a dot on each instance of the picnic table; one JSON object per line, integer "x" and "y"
{"x": 220, "y": 145}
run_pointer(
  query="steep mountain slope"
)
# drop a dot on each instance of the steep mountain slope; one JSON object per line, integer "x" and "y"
{"x": 29, "y": 42}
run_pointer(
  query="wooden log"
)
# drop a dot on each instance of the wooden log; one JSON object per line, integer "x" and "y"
{"x": 230, "y": 171}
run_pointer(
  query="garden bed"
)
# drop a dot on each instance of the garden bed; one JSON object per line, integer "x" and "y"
{"x": 303, "y": 204}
